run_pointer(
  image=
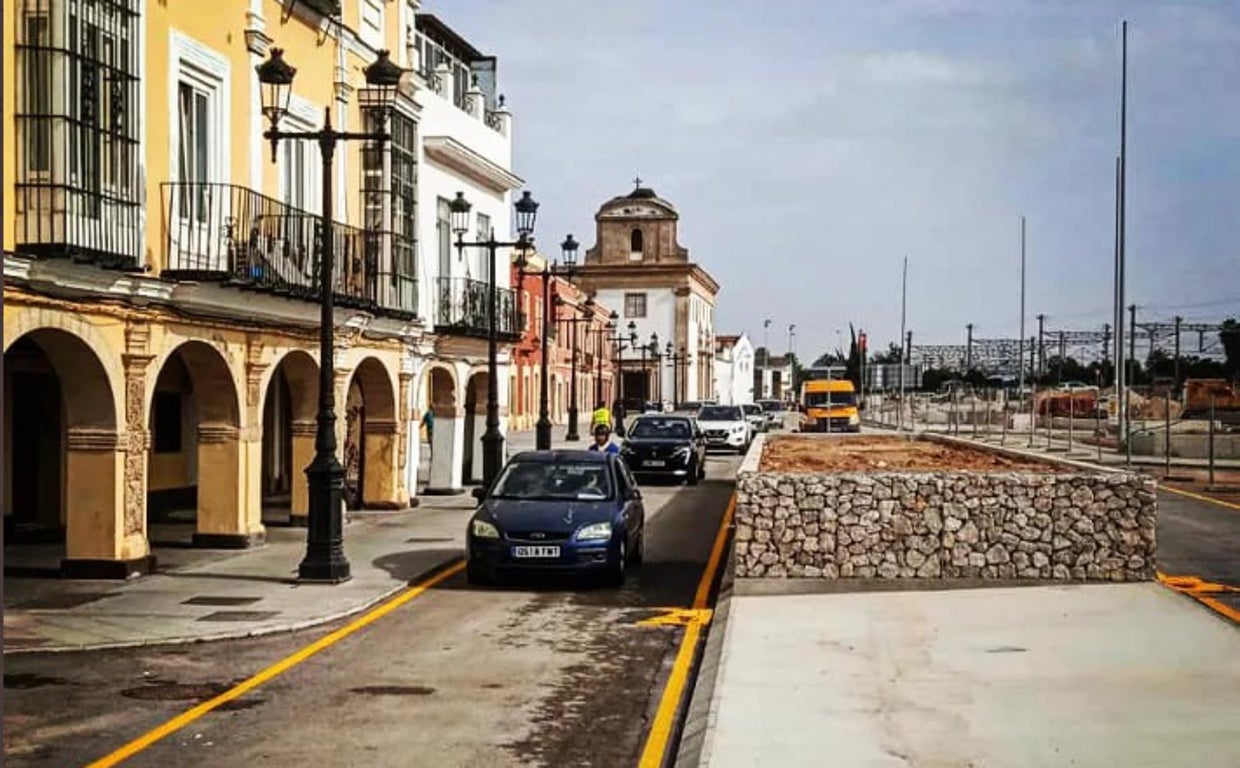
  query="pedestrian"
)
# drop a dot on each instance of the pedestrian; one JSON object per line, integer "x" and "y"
{"x": 600, "y": 416}
{"x": 602, "y": 440}
{"x": 428, "y": 420}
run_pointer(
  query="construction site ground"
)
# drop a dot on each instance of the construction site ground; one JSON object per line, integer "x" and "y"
{"x": 845, "y": 453}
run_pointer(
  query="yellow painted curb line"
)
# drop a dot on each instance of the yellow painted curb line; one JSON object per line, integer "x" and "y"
{"x": 1200, "y": 591}
{"x": 1200, "y": 497}
{"x": 281, "y": 666}
{"x": 693, "y": 619}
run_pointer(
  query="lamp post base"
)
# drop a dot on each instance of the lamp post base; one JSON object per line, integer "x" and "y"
{"x": 492, "y": 455}
{"x": 542, "y": 434}
{"x": 572, "y": 435}
{"x": 325, "y": 562}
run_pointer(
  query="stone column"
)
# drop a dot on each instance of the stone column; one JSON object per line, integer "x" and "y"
{"x": 223, "y": 522}
{"x": 380, "y": 438}
{"x": 96, "y": 545}
{"x": 406, "y": 425}
{"x": 447, "y": 450}
{"x": 299, "y": 486}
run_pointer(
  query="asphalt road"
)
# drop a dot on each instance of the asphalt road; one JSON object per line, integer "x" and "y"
{"x": 528, "y": 674}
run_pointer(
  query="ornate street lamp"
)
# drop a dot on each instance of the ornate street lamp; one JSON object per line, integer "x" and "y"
{"x": 325, "y": 561}
{"x": 526, "y": 212}
{"x": 588, "y": 306}
{"x": 542, "y": 429}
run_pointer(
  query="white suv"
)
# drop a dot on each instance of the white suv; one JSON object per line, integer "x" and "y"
{"x": 725, "y": 426}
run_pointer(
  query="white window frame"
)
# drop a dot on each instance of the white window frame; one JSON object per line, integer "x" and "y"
{"x": 207, "y": 70}
{"x": 645, "y": 301}
{"x": 371, "y": 26}
{"x": 302, "y": 116}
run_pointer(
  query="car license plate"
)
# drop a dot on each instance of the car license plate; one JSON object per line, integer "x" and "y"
{"x": 535, "y": 552}
{"x": 656, "y": 463}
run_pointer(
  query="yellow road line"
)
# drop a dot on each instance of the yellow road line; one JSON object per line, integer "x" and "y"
{"x": 285, "y": 664}
{"x": 665, "y": 715}
{"x": 1200, "y": 590}
{"x": 1199, "y": 497}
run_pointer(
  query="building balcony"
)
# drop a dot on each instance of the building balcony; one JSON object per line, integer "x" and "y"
{"x": 233, "y": 235}
{"x": 461, "y": 309}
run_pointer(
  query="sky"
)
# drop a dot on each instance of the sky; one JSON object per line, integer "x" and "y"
{"x": 810, "y": 145}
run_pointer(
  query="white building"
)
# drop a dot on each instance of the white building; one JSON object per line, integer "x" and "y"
{"x": 775, "y": 378}
{"x": 665, "y": 302}
{"x": 734, "y": 370}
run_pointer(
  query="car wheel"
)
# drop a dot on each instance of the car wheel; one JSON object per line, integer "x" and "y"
{"x": 639, "y": 551}
{"x": 476, "y": 576}
{"x": 694, "y": 474}
{"x": 615, "y": 577}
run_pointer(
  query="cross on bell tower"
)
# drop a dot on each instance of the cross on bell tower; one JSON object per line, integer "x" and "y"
{"x": 637, "y": 182}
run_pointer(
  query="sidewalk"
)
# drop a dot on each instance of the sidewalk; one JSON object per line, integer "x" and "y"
{"x": 214, "y": 594}
{"x": 1096, "y": 675}
{"x": 203, "y": 594}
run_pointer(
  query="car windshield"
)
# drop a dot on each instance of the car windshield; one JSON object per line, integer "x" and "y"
{"x": 752, "y": 410}
{"x": 830, "y": 399}
{"x": 661, "y": 429}
{"x": 769, "y": 405}
{"x": 581, "y": 480}
{"x": 719, "y": 413}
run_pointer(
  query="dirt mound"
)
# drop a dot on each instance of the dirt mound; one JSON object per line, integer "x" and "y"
{"x": 826, "y": 453}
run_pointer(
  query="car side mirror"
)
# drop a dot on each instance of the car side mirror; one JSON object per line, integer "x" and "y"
{"x": 636, "y": 494}
{"x": 479, "y": 493}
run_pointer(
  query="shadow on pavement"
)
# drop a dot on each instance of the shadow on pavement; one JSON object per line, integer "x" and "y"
{"x": 414, "y": 564}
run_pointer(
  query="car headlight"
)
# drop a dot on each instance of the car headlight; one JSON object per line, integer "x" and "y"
{"x": 681, "y": 452}
{"x": 484, "y": 530}
{"x": 595, "y": 532}
{"x": 738, "y": 427}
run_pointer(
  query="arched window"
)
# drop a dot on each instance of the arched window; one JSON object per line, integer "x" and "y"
{"x": 635, "y": 245}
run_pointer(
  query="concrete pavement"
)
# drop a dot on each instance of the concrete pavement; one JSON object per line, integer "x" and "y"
{"x": 1099, "y": 675}
{"x": 234, "y": 594}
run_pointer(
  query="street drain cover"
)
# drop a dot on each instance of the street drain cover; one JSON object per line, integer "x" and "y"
{"x": 27, "y": 680}
{"x": 429, "y": 540}
{"x": 394, "y": 690}
{"x": 239, "y": 616}
{"x": 1007, "y": 649}
{"x": 175, "y": 691}
{"x": 221, "y": 600}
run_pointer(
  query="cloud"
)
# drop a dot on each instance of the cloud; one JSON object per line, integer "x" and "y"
{"x": 810, "y": 144}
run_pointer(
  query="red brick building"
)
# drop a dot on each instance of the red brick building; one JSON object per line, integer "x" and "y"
{"x": 574, "y": 318}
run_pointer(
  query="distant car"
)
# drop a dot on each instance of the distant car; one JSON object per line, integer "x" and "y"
{"x": 725, "y": 426}
{"x": 665, "y": 445}
{"x": 559, "y": 512}
{"x": 774, "y": 410}
{"x": 755, "y": 416}
{"x": 688, "y": 406}
{"x": 1074, "y": 386}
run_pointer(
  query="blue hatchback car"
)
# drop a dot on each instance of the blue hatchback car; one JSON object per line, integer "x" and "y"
{"x": 557, "y": 511}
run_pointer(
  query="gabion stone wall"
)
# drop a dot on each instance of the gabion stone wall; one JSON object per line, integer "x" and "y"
{"x": 946, "y": 525}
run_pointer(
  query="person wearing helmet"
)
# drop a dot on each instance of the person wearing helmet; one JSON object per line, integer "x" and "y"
{"x": 602, "y": 440}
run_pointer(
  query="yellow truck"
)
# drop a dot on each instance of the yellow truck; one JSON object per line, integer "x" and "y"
{"x": 829, "y": 405}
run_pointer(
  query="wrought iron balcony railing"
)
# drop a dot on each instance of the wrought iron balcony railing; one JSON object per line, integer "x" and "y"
{"x": 231, "y": 234}
{"x": 461, "y": 307}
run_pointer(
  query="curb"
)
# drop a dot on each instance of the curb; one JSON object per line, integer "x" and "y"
{"x": 698, "y": 726}
{"x": 239, "y": 634}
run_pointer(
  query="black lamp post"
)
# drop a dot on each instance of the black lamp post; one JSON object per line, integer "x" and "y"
{"x": 676, "y": 361}
{"x": 526, "y": 212}
{"x": 603, "y": 336}
{"x": 325, "y": 560}
{"x": 587, "y": 305}
{"x": 568, "y": 248}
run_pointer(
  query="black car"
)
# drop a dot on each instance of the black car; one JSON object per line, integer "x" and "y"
{"x": 557, "y": 511}
{"x": 670, "y": 445}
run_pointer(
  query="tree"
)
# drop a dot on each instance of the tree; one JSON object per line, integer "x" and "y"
{"x": 852, "y": 368}
{"x": 1229, "y": 337}
{"x": 892, "y": 355}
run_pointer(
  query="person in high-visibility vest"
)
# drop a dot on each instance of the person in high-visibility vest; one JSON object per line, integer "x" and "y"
{"x": 600, "y": 416}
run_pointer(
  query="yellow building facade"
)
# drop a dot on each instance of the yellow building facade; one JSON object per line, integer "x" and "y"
{"x": 161, "y": 300}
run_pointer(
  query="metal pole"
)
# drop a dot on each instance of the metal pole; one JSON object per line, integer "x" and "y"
{"x": 1167, "y": 435}
{"x": 1178, "y": 320}
{"x": 1004, "y": 415}
{"x": 1071, "y": 416}
{"x": 1122, "y": 205}
{"x": 325, "y": 559}
{"x": 542, "y": 431}
{"x": 572, "y": 435}
{"x": 968, "y": 349}
{"x": 1020, "y": 354}
{"x": 492, "y": 438}
{"x": 903, "y": 317}
{"x": 1033, "y": 414}
{"x": 598, "y": 353}
{"x": 1040, "y": 371}
{"x": 973, "y": 413}
{"x": 1210, "y": 448}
